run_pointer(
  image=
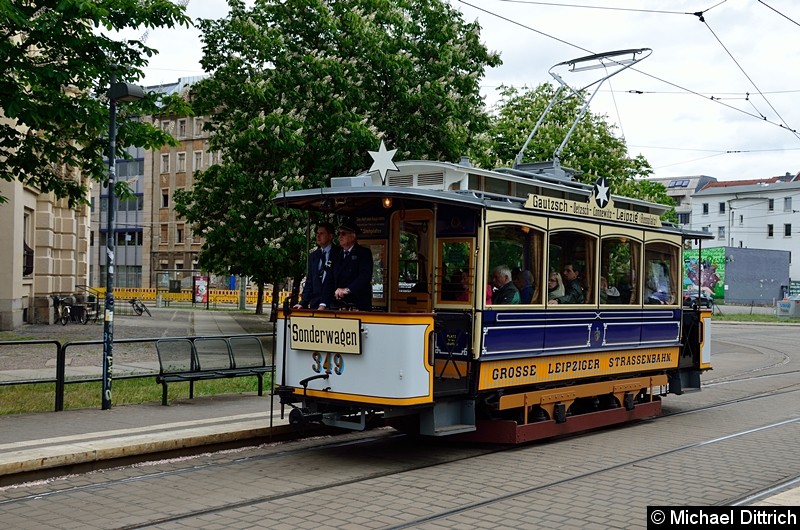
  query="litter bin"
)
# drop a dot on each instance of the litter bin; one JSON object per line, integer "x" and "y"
{"x": 788, "y": 307}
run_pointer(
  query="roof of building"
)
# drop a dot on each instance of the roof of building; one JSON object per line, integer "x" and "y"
{"x": 784, "y": 182}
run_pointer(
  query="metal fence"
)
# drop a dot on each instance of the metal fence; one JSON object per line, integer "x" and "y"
{"x": 58, "y": 354}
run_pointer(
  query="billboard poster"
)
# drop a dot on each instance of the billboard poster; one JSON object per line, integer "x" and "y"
{"x": 200, "y": 290}
{"x": 706, "y": 273}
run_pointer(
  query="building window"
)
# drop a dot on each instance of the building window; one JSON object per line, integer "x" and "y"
{"x": 741, "y": 220}
{"x": 178, "y": 264}
{"x": 181, "y": 128}
{"x": 165, "y": 163}
{"x": 722, "y": 207}
{"x": 198, "y": 161}
{"x": 165, "y": 198}
{"x": 787, "y": 204}
{"x": 769, "y": 230}
{"x": 787, "y": 230}
{"x": 684, "y": 218}
{"x": 165, "y": 125}
{"x": 180, "y": 166}
{"x": 164, "y": 234}
{"x": 771, "y": 205}
{"x": 705, "y": 228}
{"x": 198, "y": 126}
{"x": 179, "y": 234}
{"x": 705, "y": 208}
{"x": 720, "y": 232}
{"x": 27, "y": 250}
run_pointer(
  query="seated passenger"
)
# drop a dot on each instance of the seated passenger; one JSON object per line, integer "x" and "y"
{"x": 506, "y": 292}
{"x": 524, "y": 282}
{"x": 608, "y": 295}
{"x": 658, "y": 288}
{"x": 573, "y": 292}
{"x": 555, "y": 287}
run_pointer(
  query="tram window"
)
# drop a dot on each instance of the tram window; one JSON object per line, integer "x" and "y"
{"x": 661, "y": 268}
{"x": 574, "y": 252}
{"x": 521, "y": 249}
{"x": 454, "y": 272}
{"x": 619, "y": 265}
{"x": 378, "y": 249}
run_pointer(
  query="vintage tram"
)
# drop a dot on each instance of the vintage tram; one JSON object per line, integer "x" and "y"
{"x": 436, "y": 357}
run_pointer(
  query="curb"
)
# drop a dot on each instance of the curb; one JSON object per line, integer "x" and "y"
{"x": 84, "y": 452}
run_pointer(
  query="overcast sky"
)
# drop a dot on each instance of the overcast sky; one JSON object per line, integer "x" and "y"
{"x": 685, "y": 108}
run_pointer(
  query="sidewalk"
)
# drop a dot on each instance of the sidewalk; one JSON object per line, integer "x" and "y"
{"x": 40, "y": 441}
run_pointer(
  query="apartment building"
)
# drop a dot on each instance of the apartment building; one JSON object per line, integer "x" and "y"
{"x": 756, "y": 214}
{"x": 170, "y": 246}
{"x": 681, "y": 189}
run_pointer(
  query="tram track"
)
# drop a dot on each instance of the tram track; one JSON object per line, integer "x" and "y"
{"x": 384, "y": 443}
{"x": 310, "y": 469}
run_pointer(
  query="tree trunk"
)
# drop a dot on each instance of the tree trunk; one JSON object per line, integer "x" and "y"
{"x": 260, "y": 298}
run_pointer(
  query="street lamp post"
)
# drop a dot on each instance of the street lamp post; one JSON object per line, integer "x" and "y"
{"x": 116, "y": 92}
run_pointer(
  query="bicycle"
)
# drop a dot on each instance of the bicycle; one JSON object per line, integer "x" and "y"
{"x": 139, "y": 307}
{"x": 63, "y": 312}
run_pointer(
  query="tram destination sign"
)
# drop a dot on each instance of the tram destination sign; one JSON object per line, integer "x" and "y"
{"x": 337, "y": 335}
{"x": 591, "y": 210}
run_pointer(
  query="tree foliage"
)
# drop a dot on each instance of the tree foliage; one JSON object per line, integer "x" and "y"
{"x": 57, "y": 64}
{"x": 593, "y": 149}
{"x": 301, "y": 91}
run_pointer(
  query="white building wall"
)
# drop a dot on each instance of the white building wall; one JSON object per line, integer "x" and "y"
{"x": 747, "y": 218}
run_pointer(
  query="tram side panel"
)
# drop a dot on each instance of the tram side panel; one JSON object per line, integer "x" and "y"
{"x": 354, "y": 361}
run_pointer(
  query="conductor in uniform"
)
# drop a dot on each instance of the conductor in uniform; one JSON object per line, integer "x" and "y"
{"x": 353, "y": 270}
{"x": 318, "y": 290}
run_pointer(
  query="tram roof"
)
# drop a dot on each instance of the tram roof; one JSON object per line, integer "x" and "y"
{"x": 421, "y": 182}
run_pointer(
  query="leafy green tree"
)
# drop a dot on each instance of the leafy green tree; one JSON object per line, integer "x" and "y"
{"x": 593, "y": 149}
{"x": 56, "y": 67}
{"x": 301, "y": 91}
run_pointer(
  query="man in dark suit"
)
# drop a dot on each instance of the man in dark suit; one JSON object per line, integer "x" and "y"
{"x": 318, "y": 290}
{"x": 353, "y": 271}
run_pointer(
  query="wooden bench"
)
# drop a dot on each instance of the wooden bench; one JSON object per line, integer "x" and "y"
{"x": 201, "y": 358}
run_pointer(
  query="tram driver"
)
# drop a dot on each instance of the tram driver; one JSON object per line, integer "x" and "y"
{"x": 352, "y": 274}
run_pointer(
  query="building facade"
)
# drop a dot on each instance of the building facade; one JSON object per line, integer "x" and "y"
{"x": 45, "y": 251}
{"x": 754, "y": 214}
{"x": 681, "y": 190}
{"x": 172, "y": 249}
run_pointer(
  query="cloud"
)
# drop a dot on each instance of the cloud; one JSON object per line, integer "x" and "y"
{"x": 686, "y": 108}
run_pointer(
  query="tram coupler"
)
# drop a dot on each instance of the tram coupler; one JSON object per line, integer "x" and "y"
{"x": 299, "y": 418}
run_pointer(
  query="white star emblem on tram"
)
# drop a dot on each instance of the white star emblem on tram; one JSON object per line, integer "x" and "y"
{"x": 383, "y": 161}
{"x": 601, "y": 192}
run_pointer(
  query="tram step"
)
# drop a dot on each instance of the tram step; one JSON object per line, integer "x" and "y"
{"x": 453, "y": 429}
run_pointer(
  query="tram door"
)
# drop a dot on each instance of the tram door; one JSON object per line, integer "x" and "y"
{"x": 411, "y": 278}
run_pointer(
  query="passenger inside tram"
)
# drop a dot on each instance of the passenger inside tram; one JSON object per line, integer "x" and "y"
{"x": 555, "y": 287}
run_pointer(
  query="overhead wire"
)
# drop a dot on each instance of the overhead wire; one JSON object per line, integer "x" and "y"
{"x": 699, "y": 14}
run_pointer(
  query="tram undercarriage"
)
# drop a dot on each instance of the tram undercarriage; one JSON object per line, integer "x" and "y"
{"x": 511, "y": 418}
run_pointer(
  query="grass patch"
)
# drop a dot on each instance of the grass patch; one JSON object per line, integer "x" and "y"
{"x": 741, "y": 317}
{"x": 10, "y": 335}
{"x": 40, "y": 397}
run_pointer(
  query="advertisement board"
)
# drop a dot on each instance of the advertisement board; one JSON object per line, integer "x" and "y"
{"x": 200, "y": 290}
